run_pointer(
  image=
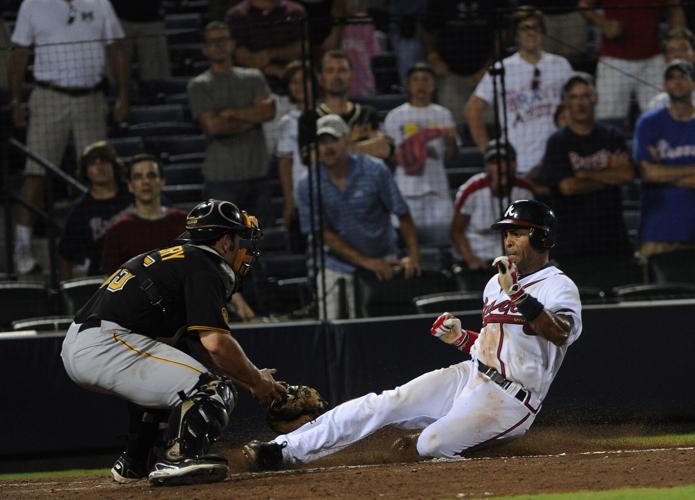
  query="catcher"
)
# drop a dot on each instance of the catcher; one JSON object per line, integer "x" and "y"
{"x": 114, "y": 345}
{"x": 531, "y": 315}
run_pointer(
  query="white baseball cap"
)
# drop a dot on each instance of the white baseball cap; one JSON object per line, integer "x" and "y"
{"x": 332, "y": 125}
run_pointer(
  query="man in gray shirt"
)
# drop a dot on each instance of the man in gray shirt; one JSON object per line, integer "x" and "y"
{"x": 230, "y": 104}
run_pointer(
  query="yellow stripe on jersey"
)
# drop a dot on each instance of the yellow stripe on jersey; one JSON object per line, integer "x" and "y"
{"x": 172, "y": 253}
{"x": 207, "y": 328}
{"x": 115, "y": 337}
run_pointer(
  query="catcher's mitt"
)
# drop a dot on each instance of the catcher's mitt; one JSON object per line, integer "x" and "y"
{"x": 300, "y": 405}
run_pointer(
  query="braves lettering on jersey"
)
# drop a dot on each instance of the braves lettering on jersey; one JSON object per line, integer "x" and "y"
{"x": 532, "y": 94}
{"x": 508, "y": 344}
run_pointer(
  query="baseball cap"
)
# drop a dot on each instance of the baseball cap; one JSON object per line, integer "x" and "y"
{"x": 680, "y": 64}
{"x": 498, "y": 146}
{"x": 580, "y": 77}
{"x": 420, "y": 67}
{"x": 332, "y": 125}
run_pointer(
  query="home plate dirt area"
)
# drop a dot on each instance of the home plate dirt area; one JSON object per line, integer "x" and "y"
{"x": 547, "y": 459}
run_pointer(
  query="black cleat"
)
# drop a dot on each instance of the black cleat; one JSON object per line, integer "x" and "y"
{"x": 205, "y": 469}
{"x": 126, "y": 470}
{"x": 264, "y": 456}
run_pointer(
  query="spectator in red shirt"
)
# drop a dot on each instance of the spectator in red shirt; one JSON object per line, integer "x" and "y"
{"x": 630, "y": 58}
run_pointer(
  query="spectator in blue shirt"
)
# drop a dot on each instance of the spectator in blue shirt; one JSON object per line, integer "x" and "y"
{"x": 359, "y": 196}
{"x": 664, "y": 147}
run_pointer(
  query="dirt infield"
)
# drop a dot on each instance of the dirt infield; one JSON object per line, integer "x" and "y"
{"x": 546, "y": 460}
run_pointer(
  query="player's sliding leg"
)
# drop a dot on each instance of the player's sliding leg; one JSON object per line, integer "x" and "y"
{"x": 482, "y": 414}
{"x": 412, "y": 406}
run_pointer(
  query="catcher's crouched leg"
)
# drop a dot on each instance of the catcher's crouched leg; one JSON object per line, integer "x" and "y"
{"x": 193, "y": 426}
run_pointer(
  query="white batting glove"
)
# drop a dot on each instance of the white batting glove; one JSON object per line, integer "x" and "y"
{"x": 447, "y": 328}
{"x": 508, "y": 277}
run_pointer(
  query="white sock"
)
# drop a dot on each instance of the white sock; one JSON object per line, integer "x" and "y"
{"x": 23, "y": 236}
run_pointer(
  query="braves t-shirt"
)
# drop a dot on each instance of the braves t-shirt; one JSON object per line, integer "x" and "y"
{"x": 531, "y": 99}
{"x": 590, "y": 222}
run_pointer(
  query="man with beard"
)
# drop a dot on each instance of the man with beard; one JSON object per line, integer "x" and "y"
{"x": 585, "y": 164}
{"x": 335, "y": 76}
{"x": 664, "y": 146}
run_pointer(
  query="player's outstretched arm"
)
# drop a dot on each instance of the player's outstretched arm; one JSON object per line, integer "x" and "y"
{"x": 554, "y": 327}
{"x": 447, "y": 328}
{"x": 229, "y": 357}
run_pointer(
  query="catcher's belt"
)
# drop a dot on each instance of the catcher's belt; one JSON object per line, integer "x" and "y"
{"x": 500, "y": 380}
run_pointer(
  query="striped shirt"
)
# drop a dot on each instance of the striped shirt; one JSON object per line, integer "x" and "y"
{"x": 360, "y": 214}
{"x": 475, "y": 199}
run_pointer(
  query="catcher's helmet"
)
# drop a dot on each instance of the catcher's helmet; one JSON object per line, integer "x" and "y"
{"x": 212, "y": 219}
{"x": 534, "y": 215}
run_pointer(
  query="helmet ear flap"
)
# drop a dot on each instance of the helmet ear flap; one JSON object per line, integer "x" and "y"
{"x": 541, "y": 239}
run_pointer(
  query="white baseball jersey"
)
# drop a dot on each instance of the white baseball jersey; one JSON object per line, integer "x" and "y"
{"x": 69, "y": 39}
{"x": 532, "y": 94}
{"x": 508, "y": 344}
{"x": 406, "y": 120}
{"x": 475, "y": 199}
{"x": 458, "y": 408}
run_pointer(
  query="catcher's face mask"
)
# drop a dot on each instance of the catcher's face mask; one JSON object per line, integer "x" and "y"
{"x": 247, "y": 253}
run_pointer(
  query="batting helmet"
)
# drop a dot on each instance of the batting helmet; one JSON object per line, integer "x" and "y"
{"x": 534, "y": 215}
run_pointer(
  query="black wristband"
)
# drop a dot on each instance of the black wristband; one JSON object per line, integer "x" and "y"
{"x": 530, "y": 308}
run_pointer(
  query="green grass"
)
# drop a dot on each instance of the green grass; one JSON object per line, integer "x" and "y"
{"x": 648, "y": 441}
{"x": 675, "y": 493}
{"x": 21, "y": 476}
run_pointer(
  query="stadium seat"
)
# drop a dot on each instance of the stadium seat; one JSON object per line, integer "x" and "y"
{"x": 183, "y": 173}
{"x": 163, "y": 128}
{"x": 176, "y": 85}
{"x": 395, "y": 296}
{"x": 127, "y": 146}
{"x": 188, "y": 21}
{"x": 468, "y": 280}
{"x": 672, "y": 267}
{"x": 156, "y": 113}
{"x": 602, "y": 271}
{"x": 451, "y": 301}
{"x": 654, "y": 291}
{"x": 385, "y": 71}
{"x": 76, "y": 292}
{"x": 43, "y": 324}
{"x": 275, "y": 239}
{"x": 178, "y": 193}
{"x": 23, "y": 299}
{"x": 280, "y": 284}
{"x": 178, "y": 148}
{"x": 467, "y": 157}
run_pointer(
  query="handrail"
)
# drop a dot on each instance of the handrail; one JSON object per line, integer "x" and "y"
{"x": 49, "y": 166}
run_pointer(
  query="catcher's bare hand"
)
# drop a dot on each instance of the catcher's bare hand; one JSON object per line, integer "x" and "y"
{"x": 268, "y": 390}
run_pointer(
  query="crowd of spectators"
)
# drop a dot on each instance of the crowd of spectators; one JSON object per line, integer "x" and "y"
{"x": 498, "y": 82}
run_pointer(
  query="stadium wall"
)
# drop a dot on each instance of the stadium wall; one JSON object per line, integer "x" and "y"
{"x": 632, "y": 362}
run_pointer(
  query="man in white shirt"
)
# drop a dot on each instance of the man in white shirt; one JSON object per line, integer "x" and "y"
{"x": 533, "y": 81}
{"x": 479, "y": 203}
{"x": 71, "y": 39}
{"x": 425, "y": 136}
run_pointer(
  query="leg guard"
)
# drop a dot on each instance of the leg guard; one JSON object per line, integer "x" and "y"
{"x": 200, "y": 419}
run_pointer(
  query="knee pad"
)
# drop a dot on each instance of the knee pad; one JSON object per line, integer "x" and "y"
{"x": 200, "y": 418}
